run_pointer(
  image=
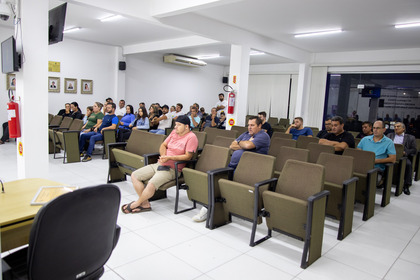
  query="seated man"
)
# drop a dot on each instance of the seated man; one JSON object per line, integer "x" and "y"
{"x": 297, "y": 129}
{"x": 382, "y": 146}
{"x": 327, "y": 129}
{"x": 254, "y": 140}
{"x": 194, "y": 118}
{"x": 366, "y": 130}
{"x": 211, "y": 120}
{"x": 165, "y": 121}
{"x": 410, "y": 149}
{"x": 181, "y": 144}
{"x": 338, "y": 138}
{"x": 265, "y": 125}
{"x": 109, "y": 121}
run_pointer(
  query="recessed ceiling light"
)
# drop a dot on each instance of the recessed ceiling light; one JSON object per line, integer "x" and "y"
{"x": 71, "y": 29}
{"x": 406, "y": 25}
{"x": 110, "y": 18}
{"x": 318, "y": 33}
{"x": 252, "y": 52}
{"x": 208, "y": 56}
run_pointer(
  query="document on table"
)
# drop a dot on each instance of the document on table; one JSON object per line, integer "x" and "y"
{"x": 48, "y": 193}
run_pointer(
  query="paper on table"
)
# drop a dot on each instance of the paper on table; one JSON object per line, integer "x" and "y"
{"x": 48, "y": 193}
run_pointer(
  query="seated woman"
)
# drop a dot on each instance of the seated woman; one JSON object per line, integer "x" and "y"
{"x": 76, "y": 113}
{"x": 89, "y": 111}
{"x": 95, "y": 119}
{"x": 125, "y": 122}
{"x": 141, "y": 122}
{"x": 153, "y": 114}
{"x": 66, "y": 112}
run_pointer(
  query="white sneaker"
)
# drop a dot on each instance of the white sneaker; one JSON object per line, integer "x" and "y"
{"x": 202, "y": 216}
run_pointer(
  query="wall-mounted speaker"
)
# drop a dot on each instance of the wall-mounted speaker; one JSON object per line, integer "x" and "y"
{"x": 122, "y": 65}
{"x": 225, "y": 80}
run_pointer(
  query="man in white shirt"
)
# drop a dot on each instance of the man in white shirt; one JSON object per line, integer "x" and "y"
{"x": 221, "y": 105}
{"x": 178, "y": 111}
{"x": 121, "y": 108}
{"x": 165, "y": 121}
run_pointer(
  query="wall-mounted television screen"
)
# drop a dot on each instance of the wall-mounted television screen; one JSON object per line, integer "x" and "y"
{"x": 9, "y": 56}
{"x": 56, "y": 22}
{"x": 372, "y": 92}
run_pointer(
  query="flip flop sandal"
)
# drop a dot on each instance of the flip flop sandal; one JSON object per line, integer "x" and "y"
{"x": 127, "y": 208}
{"x": 141, "y": 209}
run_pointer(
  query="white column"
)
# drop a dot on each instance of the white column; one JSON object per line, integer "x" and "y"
{"x": 238, "y": 80}
{"x": 302, "y": 92}
{"x": 32, "y": 90}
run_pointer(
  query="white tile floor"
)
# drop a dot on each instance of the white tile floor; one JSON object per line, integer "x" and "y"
{"x": 162, "y": 245}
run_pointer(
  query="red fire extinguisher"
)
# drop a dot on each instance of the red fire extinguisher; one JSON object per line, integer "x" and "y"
{"x": 13, "y": 117}
{"x": 231, "y": 102}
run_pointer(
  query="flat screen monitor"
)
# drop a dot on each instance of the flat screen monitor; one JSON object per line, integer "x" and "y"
{"x": 372, "y": 92}
{"x": 9, "y": 56}
{"x": 57, "y": 20}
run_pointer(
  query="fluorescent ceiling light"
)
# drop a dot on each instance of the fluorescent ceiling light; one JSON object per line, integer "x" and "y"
{"x": 406, "y": 25}
{"x": 208, "y": 56}
{"x": 252, "y": 52}
{"x": 110, "y": 18}
{"x": 71, "y": 29}
{"x": 318, "y": 33}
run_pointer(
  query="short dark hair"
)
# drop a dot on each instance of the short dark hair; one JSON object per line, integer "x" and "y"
{"x": 327, "y": 119}
{"x": 263, "y": 113}
{"x": 113, "y": 105}
{"x": 298, "y": 118}
{"x": 90, "y": 108}
{"x": 222, "y": 94}
{"x": 180, "y": 105}
{"x": 337, "y": 119}
{"x": 109, "y": 99}
{"x": 165, "y": 106}
{"x": 368, "y": 123}
{"x": 257, "y": 119}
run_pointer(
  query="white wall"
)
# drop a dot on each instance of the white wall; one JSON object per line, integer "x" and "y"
{"x": 150, "y": 80}
{"x": 81, "y": 60}
{"x": 4, "y": 34}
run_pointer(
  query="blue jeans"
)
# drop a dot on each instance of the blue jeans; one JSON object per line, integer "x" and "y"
{"x": 93, "y": 137}
{"x": 157, "y": 131}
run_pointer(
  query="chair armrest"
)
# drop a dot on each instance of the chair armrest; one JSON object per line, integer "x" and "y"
{"x": 318, "y": 196}
{"x": 349, "y": 181}
{"x": 53, "y": 126}
{"x": 272, "y": 182}
{"x": 228, "y": 170}
{"x": 117, "y": 145}
{"x": 116, "y": 236}
{"x": 148, "y": 157}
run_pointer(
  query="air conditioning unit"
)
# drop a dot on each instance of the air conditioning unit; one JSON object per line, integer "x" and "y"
{"x": 183, "y": 60}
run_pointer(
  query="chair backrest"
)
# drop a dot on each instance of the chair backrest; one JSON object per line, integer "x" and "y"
{"x": 201, "y": 137}
{"x": 273, "y": 121}
{"x": 66, "y": 122}
{"x": 50, "y": 117}
{"x": 303, "y": 141}
{"x": 277, "y": 142}
{"x": 212, "y": 157}
{"x": 239, "y": 129}
{"x": 301, "y": 179}
{"x": 286, "y": 153}
{"x": 284, "y": 122}
{"x": 356, "y": 141}
{"x": 354, "y": 133}
{"x": 279, "y": 134}
{"x": 56, "y": 120}
{"x": 337, "y": 168}
{"x": 74, "y": 234}
{"x": 253, "y": 168}
{"x": 222, "y": 141}
{"x": 363, "y": 160}
{"x": 315, "y": 149}
{"x": 314, "y": 129}
{"x": 213, "y": 132}
{"x": 142, "y": 142}
{"x": 76, "y": 125}
{"x": 400, "y": 151}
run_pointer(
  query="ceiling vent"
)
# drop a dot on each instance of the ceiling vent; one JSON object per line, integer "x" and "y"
{"x": 183, "y": 60}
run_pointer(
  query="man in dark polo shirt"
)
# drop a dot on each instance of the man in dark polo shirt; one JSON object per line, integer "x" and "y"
{"x": 338, "y": 138}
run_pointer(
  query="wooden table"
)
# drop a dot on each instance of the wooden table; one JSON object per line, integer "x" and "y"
{"x": 16, "y": 211}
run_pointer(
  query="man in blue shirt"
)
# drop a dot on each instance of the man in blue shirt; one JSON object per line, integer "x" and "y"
{"x": 297, "y": 129}
{"x": 254, "y": 140}
{"x": 109, "y": 121}
{"x": 382, "y": 146}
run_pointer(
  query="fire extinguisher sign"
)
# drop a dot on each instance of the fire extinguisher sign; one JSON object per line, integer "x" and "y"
{"x": 20, "y": 148}
{"x": 231, "y": 122}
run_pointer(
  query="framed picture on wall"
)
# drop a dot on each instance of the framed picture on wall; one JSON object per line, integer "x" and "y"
{"x": 11, "y": 81}
{"x": 53, "y": 84}
{"x": 70, "y": 85}
{"x": 86, "y": 86}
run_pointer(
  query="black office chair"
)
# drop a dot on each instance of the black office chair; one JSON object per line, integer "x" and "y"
{"x": 72, "y": 237}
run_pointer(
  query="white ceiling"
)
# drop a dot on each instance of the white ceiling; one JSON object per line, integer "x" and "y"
{"x": 367, "y": 25}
